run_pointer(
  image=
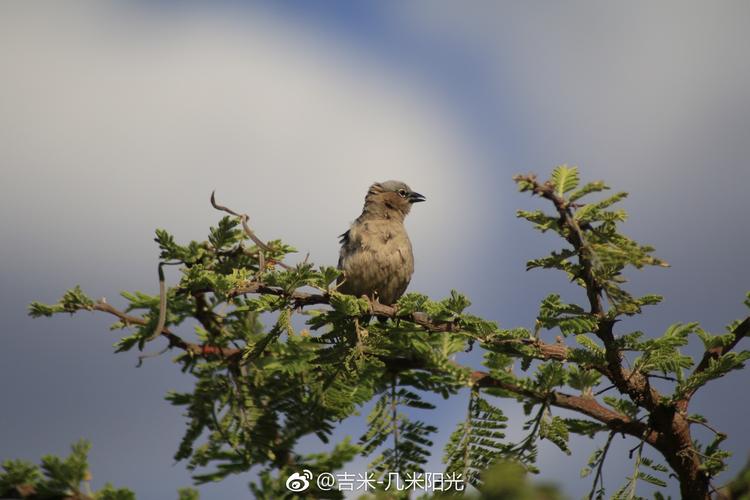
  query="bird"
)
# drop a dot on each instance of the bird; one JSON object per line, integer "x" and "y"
{"x": 376, "y": 254}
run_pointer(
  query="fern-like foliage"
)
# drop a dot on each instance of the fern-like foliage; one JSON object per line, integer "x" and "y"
{"x": 478, "y": 442}
{"x": 564, "y": 179}
{"x": 264, "y": 378}
{"x": 61, "y": 477}
{"x": 410, "y": 439}
{"x": 645, "y": 470}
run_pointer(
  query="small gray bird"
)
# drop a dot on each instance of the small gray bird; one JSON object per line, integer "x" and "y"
{"x": 376, "y": 254}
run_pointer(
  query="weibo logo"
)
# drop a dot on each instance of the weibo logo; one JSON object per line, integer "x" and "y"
{"x": 299, "y": 482}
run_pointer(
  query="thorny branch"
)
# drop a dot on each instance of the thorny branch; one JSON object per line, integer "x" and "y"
{"x": 632, "y": 383}
{"x": 668, "y": 425}
{"x": 202, "y": 350}
{"x": 262, "y": 247}
{"x": 586, "y": 405}
{"x": 583, "y": 404}
{"x": 667, "y": 429}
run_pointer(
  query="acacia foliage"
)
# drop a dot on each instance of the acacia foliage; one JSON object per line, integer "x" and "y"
{"x": 260, "y": 389}
{"x": 68, "y": 478}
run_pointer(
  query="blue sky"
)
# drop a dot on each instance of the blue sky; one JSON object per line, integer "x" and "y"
{"x": 115, "y": 120}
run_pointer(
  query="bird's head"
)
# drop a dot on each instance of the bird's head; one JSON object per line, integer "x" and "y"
{"x": 391, "y": 198}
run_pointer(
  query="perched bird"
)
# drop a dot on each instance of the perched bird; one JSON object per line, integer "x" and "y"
{"x": 376, "y": 254}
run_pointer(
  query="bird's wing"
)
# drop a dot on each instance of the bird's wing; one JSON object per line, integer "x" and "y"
{"x": 344, "y": 238}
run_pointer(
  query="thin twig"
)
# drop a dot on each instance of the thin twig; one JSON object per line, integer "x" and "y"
{"x": 205, "y": 351}
{"x": 150, "y": 355}
{"x": 394, "y": 411}
{"x": 244, "y": 218}
{"x": 706, "y": 425}
{"x": 740, "y": 331}
{"x": 663, "y": 377}
{"x": 599, "y": 477}
{"x": 602, "y": 391}
{"x": 161, "y": 322}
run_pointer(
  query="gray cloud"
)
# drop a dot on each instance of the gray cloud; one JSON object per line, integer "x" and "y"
{"x": 117, "y": 120}
{"x": 651, "y": 97}
{"x": 114, "y": 121}
{"x": 110, "y": 116}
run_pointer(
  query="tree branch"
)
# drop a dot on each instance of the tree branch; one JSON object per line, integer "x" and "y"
{"x": 302, "y": 299}
{"x": 632, "y": 383}
{"x": 574, "y": 237}
{"x": 583, "y": 404}
{"x": 741, "y": 331}
{"x": 262, "y": 246}
{"x": 558, "y": 352}
{"x": 586, "y": 405}
{"x": 206, "y": 351}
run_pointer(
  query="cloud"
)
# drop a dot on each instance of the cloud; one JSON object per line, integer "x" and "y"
{"x": 122, "y": 118}
{"x": 652, "y": 97}
{"x": 116, "y": 119}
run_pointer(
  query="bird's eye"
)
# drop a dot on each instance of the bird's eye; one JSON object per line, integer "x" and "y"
{"x": 402, "y": 193}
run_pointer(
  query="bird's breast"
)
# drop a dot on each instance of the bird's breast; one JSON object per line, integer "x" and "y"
{"x": 384, "y": 237}
{"x": 377, "y": 260}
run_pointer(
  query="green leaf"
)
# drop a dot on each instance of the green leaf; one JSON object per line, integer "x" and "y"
{"x": 565, "y": 179}
{"x": 188, "y": 494}
{"x": 456, "y": 303}
{"x": 583, "y": 427}
{"x": 411, "y": 302}
{"x": 582, "y": 379}
{"x": 555, "y": 430}
{"x": 591, "y": 187}
{"x": 17, "y": 473}
{"x": 542, "y": 221}
{"x": 348, "y": 305}
{"x": 570, "y": 318}
{"x": 109, "y": 492}
{"x": 643, "y": 476}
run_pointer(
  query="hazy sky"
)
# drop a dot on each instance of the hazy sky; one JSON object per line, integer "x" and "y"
{"x": 116, "y": 119}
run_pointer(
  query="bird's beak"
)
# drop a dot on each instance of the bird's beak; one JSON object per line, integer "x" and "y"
{"x": 416, "y": 197}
